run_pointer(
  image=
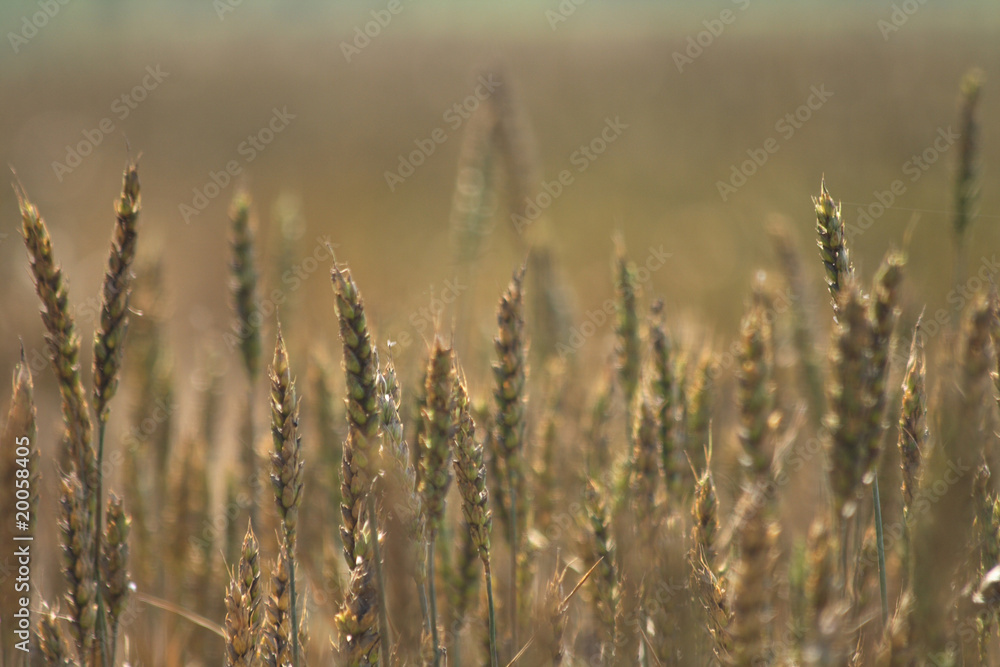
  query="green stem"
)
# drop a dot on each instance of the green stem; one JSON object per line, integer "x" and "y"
{"x": 513, "y": 556}
{"x": 422, "y": 595}
{"x": 493, "y": 621}
{"x": 881, "y": 553}
{"x": 292, "y": 603}
{"x": 383, "y": 617}
{"x": 433, "y": 600}
{"x": 101, "y": 622}
{"x": 250, "y": 461}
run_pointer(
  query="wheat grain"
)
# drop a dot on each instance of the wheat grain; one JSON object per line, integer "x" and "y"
{"x": 832, "y": 245}
{"x": 62, "y": 339}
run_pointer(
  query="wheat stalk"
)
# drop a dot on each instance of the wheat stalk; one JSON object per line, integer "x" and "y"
{"x": 287, "y": 470}
{"x": 439, "y": 434}
{"x": 627, "y": 325}
{"x": 510, "y": 376}
{"x": 246, "y": 304}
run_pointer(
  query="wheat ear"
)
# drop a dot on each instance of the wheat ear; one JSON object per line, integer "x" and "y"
{"x": 471, "y": 474}
{"x": 287, "y": 470}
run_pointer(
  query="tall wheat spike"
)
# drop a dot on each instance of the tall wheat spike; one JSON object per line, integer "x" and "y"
{"x": 246, "y": 304}
{"x": 967, "y": 172}
{"x": 110, "y": 336}
{"x": 510, "y": 374}
{"x": 287, "y": 470}
{"x": 755, "y": 392}
{"x": 437, "y": 444}
{"x": 360, "y": 464}
{"x": 62, "y": 339}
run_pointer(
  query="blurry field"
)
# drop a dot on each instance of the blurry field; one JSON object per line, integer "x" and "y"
{"x": 658, "y": 183}
{"x": 683, "y": 132}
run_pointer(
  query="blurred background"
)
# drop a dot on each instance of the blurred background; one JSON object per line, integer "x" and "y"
{"x": 684, "y": 127}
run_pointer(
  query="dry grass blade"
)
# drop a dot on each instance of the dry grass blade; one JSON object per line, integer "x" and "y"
{"x": 246, "y": 300}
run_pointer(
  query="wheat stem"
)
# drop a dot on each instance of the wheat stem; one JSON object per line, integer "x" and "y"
{"x": 882, "y": 587}
{"x": 433, "y": 601}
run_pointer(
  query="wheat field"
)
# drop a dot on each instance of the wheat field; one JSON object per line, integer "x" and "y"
{"x": 571, "y": 333}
